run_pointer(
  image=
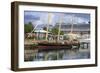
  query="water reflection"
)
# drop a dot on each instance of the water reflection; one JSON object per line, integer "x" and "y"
{"x": 63, "y": 54}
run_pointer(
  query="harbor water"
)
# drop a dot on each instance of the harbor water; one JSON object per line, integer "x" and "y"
{"x": 62, "y": 54}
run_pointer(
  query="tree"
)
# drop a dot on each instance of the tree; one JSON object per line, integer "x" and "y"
{"x": 28, "y": 27}
{"x": 45, "y": 28}
{"x": 55, "y": 30}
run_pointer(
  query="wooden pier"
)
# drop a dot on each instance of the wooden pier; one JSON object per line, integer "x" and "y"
{"x": 85, "y": 44}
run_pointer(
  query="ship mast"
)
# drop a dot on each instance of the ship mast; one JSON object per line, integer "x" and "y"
{"x": 60, "y": 22}
{"x": 49, "y": 18}
{"x": 71, "y": 25}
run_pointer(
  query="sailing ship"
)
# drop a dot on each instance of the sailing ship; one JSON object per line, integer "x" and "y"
{"x": 72, "y": 42}
{"x": 58, "y": 44}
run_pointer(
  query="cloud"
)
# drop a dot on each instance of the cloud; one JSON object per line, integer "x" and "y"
{"x": 29, "y": 17}
{"x": 74, "y": 19}
{"x": 82, "y": 20}
{"x": 41, "y": 18}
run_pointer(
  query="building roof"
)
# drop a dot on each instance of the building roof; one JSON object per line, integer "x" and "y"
{"x": 41, "y": 31}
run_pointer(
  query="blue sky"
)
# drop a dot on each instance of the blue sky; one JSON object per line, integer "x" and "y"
{"x": 42, "y": 17}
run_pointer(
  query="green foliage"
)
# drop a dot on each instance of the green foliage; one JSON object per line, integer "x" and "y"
{"x": 55, "y": 31}
{"x": 61, "y": 33}
{"x": 28, "y": 27}
{"x": 45, "y": 28}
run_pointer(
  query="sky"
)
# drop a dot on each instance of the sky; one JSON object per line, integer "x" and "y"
{"x": 40, "y": 18}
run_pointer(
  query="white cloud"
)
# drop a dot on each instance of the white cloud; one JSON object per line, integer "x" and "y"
{"x": 55, "y": 17}
{"x": 74, "y": 19}
{"x": 82, "y": 20}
